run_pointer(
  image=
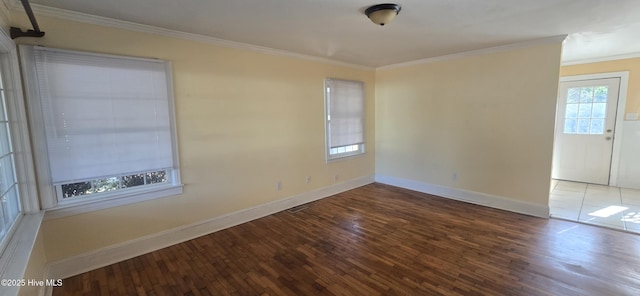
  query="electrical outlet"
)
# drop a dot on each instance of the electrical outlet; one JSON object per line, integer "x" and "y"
{"x": 308, "y": 179}
{"x": 454, "y": 176}
{"x": 335, "y": 177}
{"x": 279, "y": 185}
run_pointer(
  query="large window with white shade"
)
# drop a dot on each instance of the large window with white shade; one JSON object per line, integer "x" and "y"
{"x": 106, "y": 122}
{"x": 344, "y": 100}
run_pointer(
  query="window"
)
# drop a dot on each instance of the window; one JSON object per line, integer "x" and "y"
{"x": 107, "y": 123}
{"x": 586, "y": 110}
{"x": 9, "y": 197}
{"x": 344, "y": 102}
{"x": 74, "y": 190}
{"x": 20, "y": 215}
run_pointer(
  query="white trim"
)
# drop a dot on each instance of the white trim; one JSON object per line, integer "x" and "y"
{"x": 602, "y": 59}
{"x": 125, "y": 25}
{"x": 120, "y": 24}
{"x": 100, "y": 204}
{"x": 75, "y": 265}
{"x": 175, "y": 173}
{"x": 622, "y": 102}
{"x": 131, "y": 26}
{"x": 19, "y": 242}
{"x": 20, "y": 139}
{"x": 100, "y": 55}
{"x": 628, "y": 173}
{"x": 46, "y": 192}
{"x": 14, "y": 259}
{"x": 478, "y": 198}
{"x": 490, "y": 50}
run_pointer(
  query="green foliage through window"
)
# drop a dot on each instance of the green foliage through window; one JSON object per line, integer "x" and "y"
{"x": 113, "y": 183}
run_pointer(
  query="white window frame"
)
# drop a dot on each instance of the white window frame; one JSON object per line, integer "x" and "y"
{"x": 355, "y": 149}
{"x": 49, "y": 194}
{"x": 10, "y": 156}
{"x": 18, "y": 245}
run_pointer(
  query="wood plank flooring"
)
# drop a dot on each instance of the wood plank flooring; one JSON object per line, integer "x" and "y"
{"x": 383, "y": 240}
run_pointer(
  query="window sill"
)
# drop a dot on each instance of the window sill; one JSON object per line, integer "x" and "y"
{"x": 344, "y": 156}
{"x": 15, "y": 257}
{"x": 80, "y": 207}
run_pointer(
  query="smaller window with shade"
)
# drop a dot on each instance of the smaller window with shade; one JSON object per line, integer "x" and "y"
{"x": 344, "y": 101}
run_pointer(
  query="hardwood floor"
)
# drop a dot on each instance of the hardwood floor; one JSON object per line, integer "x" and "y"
{"x": 382, "y": 240}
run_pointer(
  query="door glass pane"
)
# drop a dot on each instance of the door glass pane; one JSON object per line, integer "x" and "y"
{"x": 584, "y": 111}
{"x": 570, "y": 126}
{"x": 572, "y": 111}
{"x": 583, "y": 126}
{"x": 589, "y": 105}
{"x": 597, "y": 126}
{"x": 573, "y": 95}
{"x": 600, "y": 94}
{"x": 586, "y": 95}
{"x": 599, "y": 110}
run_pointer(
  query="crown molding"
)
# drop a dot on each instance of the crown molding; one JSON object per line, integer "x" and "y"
{"x": 512, "y": 46}
{"x": 602, "y": 59}
{"x": 131, "y": 26}
{"x": 14, "y": 5}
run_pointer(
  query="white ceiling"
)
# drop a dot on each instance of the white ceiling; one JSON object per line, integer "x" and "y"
{"x": 338, "y": 29}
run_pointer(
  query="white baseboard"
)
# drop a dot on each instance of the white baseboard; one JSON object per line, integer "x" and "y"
{"x": 115, "y": 253}
{"x": 483, "y": 199}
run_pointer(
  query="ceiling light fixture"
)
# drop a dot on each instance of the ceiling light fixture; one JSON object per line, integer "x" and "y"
{"x": 382, "y": 14}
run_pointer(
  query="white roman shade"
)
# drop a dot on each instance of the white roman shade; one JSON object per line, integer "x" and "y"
{"x": 103, "y": 115}
{"x": 345, "y": 118}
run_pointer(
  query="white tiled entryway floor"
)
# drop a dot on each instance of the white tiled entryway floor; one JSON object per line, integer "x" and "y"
{"x": 606, "y": 206}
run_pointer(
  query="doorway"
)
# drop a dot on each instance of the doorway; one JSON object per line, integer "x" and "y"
{"x": 584, "y": 150}
{"x": 589, "y": 117}
{"x": 585, "y": 128}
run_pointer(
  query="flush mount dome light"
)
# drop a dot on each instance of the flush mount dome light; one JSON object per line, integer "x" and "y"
{"x": 382, "y": 14}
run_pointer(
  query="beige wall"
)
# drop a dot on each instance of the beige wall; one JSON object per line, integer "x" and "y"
{"x": 245, "y": 121}
{"x": 631, "y": 65}
{"x": 489, "y": 119}
{"x": 4, "y": 17}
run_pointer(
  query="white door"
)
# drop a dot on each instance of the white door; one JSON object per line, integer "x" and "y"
{"x": 585, "y": 122}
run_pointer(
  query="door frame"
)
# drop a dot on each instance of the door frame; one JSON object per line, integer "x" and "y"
{"x": 620, "y": 113}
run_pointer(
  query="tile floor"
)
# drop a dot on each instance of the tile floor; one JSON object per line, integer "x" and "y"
{"x": 606, "y": 206}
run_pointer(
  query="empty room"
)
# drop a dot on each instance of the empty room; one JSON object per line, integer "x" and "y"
{"x": 319, "y": 147}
